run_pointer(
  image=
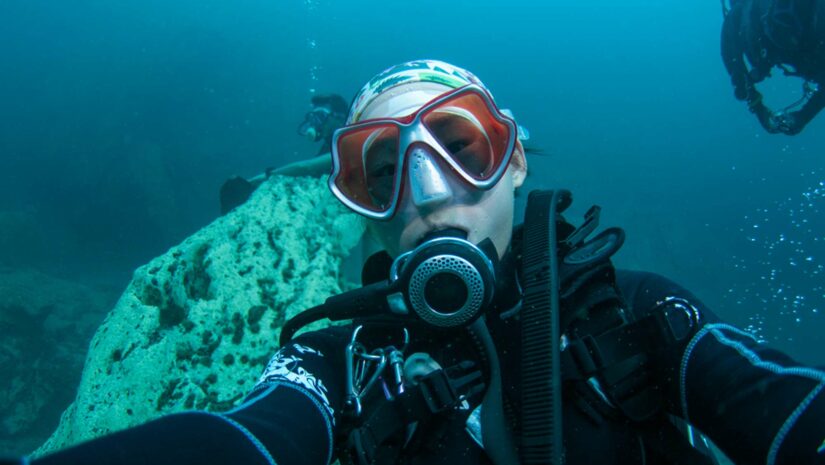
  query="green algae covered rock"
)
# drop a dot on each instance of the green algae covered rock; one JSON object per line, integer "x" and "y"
{"x": 196, "y": 326}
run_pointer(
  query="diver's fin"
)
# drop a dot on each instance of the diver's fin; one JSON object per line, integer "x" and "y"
{"x": 234, "y": 192}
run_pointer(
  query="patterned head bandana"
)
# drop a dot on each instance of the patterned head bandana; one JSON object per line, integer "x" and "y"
{"x": 428, "y": 71}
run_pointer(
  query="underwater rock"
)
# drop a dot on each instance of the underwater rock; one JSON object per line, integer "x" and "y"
{"x": 45, "y": 326}
{"x": 196, "y": 326}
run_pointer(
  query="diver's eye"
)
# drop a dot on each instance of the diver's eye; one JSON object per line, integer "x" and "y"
{"x": 457, "y": 146}
{"x": 381, "y": 158}
{"x": 472, "y": 153}
{"x": 380, "y": 181}
{"x": 462, "y": 135}
{"x": 380, "y": 185}
{"x": 385, "y": 170}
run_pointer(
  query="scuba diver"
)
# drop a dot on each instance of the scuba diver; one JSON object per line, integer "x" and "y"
{"x": 476, "y": 342}
{"x": 328, "y": 113}
{"x": 760, "y": 35}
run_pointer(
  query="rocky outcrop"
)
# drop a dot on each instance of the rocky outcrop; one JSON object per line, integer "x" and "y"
{"x": 195, "y": 327}
{"x": 45, "y": 324}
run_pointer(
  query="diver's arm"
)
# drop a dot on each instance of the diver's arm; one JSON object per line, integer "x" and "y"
{"x": 200, "y": 438}
{"x": 237, "y": 190}
{"x": 314, "y": 167}
{"x": 286, "y": 420}
{"x": 733, "y": 54}
{"x": 757, "y": 404}
{"x": 766, "y": 117}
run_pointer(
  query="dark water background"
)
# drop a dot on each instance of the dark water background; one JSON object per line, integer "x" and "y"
{"x": 120, "y": 119}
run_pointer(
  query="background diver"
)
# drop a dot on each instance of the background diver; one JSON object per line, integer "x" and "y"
{"x": 328, "y": 113}
{"x": 760, "y": 35}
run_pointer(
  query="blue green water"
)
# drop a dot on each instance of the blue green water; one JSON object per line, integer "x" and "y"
{"x": 119, "y": 120}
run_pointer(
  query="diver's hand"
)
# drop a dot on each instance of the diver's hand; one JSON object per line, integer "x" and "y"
{"x": 786, "y": 123}
{"x": 766, "y": 117}
{"x": 740, "y": 92}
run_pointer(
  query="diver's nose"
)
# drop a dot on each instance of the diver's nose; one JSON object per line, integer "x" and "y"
{"x": 428, "y": 186}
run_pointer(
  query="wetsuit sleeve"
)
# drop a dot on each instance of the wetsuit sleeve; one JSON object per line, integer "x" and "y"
{"x": 733, "y": 56}
{"x": 293, "y": 409}
{"x": 756, "y": 403}
{"x": 733, "y": 52}
{"x": 288, "y": 419}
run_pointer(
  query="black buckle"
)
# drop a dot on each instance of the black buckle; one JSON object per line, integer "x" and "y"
{"x": 445, "y": 389}
{"x": 586, "y": 356}
{"x": 437, "y": 391}
{"x": 360, "y": 448}
{"x": 677, "y": 318}
{"x": 591, "y": 222}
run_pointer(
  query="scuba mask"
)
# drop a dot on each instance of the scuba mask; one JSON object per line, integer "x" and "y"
{"x": 313, "y": 124}
{"x": 462, "y": 127}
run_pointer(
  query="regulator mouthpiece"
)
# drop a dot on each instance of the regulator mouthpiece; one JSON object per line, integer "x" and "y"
{"x": 446, "y": 281}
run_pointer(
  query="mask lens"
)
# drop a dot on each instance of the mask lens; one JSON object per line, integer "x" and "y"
{"x": 468, "y": 130}
{"x": 368, "y": 159}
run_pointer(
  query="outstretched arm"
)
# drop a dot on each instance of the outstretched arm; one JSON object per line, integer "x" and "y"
{"x": 757, "y": 404}
{"x": 733, "y": 56}
{"x": 281, "y": 425}
{"x": 733, "y": 53}
{"x": 286, "y": 420}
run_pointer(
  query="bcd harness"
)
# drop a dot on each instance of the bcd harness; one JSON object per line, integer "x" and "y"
{"x": 568, "y": 296}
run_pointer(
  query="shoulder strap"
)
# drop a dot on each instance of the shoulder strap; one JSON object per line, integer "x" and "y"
{"x": 541, "y": 426}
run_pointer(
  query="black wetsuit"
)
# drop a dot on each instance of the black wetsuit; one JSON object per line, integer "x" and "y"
{"x": 757, "y": 404}
{"x": 757, "y": 36}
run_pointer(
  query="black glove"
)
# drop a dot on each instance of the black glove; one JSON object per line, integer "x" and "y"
{"x": 786, "y": 123}
{"x": 766, "y": 117}
{"x": 741, "y": 92}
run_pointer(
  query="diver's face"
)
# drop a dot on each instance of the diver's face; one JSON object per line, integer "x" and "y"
{"x": 312, "y": 126}
{"x": 320, "y": 123}
{"x": 481, "y": 214}
{"x": 433, "y": 197}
